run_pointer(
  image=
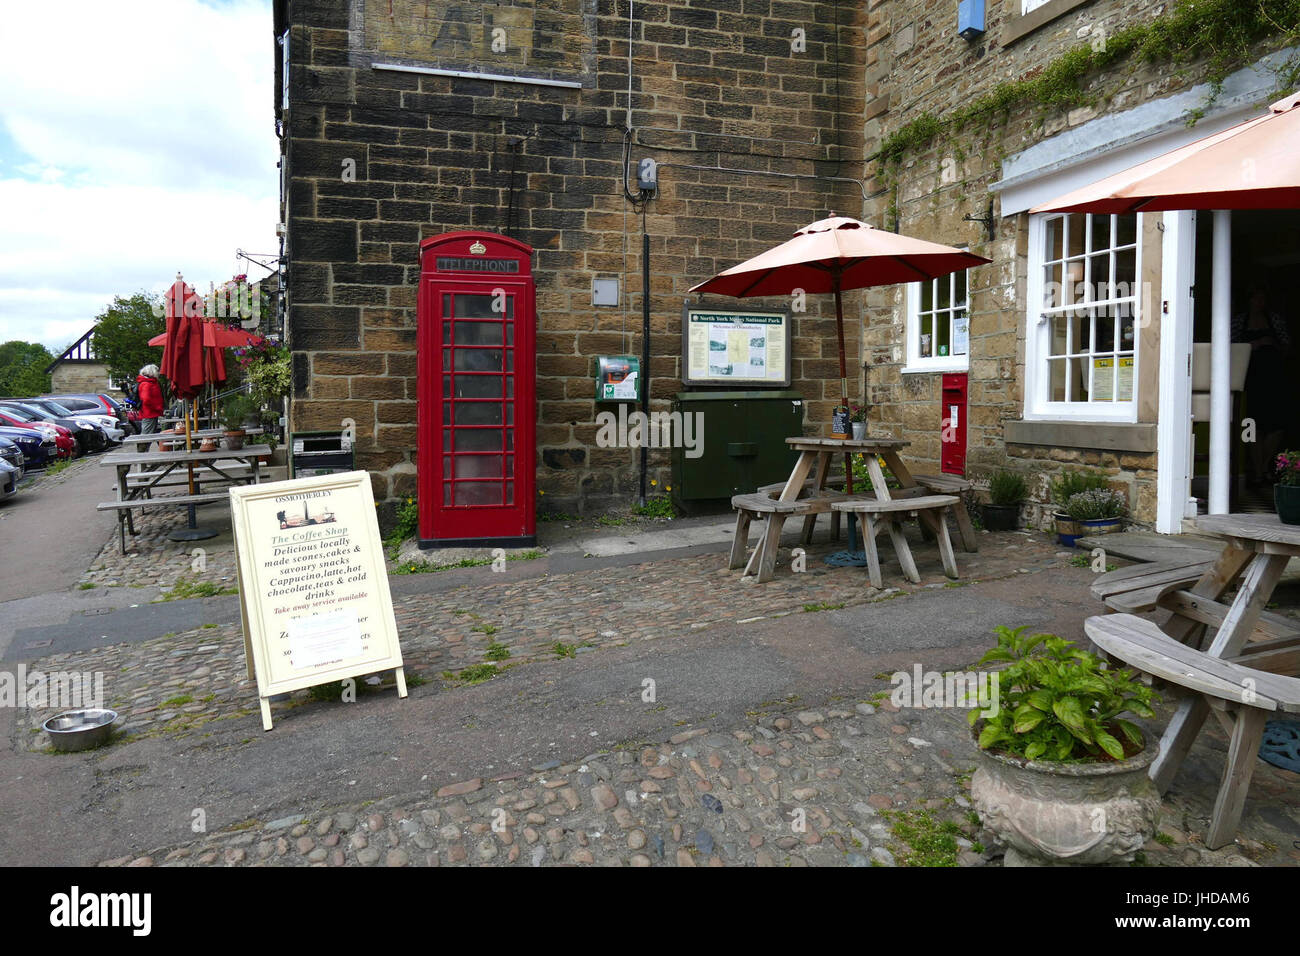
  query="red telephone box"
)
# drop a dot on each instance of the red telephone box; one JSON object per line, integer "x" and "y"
{"x": 477, "y": 424}
{"x": 952, "y": 419}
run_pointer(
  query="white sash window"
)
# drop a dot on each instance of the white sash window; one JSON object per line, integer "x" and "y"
{"x": 1084, "y": 315}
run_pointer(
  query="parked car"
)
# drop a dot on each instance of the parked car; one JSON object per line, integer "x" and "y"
{"x": 93, "y": 400}
{"x": 88, "y": 437}
{"x": 37, "y": 450}
{"x": 10, "y": 452}
{"x": 9, "y": 475}
{"x": 65, "y": 444}
{"x": 105, "y": 422}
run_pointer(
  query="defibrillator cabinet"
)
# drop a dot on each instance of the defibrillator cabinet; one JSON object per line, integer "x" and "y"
{"x": 476, "y": 377}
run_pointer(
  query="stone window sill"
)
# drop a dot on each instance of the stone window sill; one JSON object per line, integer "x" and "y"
{"x": 1139, "y": 438}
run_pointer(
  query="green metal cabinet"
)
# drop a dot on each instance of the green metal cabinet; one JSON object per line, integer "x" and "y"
{"x": 743, "y": 443}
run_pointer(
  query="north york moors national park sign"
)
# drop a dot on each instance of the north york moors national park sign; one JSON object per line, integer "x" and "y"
{"x": 313, "y": 586}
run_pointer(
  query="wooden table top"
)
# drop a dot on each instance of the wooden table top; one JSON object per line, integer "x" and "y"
{"x": 166, "y": 457}
{"x": 172, "y": 436}
{"x": 1264, "y": 530}
{"x": 845, "y": 444}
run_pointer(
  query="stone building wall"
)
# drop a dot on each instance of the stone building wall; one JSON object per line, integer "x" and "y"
{"x": 376, "y": 159}
{"x": 917, "y": 64}
{"x": 72, "y": 378}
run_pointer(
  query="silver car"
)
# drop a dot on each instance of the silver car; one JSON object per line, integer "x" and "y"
{"x": 9, "y": 475}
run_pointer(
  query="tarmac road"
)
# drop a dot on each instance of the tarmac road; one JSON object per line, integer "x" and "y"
{"x": 50, "y": 531}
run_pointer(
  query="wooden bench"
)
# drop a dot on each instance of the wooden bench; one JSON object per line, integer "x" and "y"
{"x": 892, "y": 513}
{"x": 953, "y": 485}
{"x": 124, "y": 508}
{"x": 1141, "y": 587}
{"x": 1240, "y": 697}
{"x": 762, "y": 505}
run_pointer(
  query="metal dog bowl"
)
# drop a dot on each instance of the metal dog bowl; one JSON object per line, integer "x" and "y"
{"x": 80, "y": 729}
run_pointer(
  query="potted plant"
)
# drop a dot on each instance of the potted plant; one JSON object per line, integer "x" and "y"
{"x": 1006, "y": 492}
{"x": 233, "y": 414}
{"x": 858, "y": 421}
{"x": 1062, "y": 775}
{"x": 1286, "y": 493}
{"x": 1099, "y": 511}
{"x": 1062, "y": 489}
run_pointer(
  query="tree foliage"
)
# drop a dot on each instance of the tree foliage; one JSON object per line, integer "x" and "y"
{"x": 22, "y": 369}
{"x": 122, "y": 332}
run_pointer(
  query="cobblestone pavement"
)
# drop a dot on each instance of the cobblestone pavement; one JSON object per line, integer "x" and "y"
{"x": 855, "y": 784}
{"x": 176, "y": 684}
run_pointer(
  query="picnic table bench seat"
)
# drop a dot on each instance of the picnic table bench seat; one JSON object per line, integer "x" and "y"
{"x": 124, "y": 507}
{"x": 765, "y": 505}
{"x": 890, "y": 512}
{"x": 1239, "y": 696}
{"x": 954, "y": 485}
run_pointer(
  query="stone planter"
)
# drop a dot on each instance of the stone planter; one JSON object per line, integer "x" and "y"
{"x": 234, "y": 440}
{"x": 1051, "y": 813}
{"x": 1286, "y": 499}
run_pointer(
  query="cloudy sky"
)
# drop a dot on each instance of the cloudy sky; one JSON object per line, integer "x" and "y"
{"x": 138, "y": 142}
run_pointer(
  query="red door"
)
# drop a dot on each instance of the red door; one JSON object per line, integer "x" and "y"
{"x": 476, "y": 394}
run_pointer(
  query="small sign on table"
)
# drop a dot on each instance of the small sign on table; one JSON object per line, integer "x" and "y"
{"x": 313, "y": 586}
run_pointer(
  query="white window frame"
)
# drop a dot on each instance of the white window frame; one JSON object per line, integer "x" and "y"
{"x": 1037, "y": 406}
{"x": 1027, "y": 6}
{"x": 933, "y": 363}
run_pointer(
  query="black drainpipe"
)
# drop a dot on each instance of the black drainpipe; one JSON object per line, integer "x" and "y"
{"x": 645, "y": 346}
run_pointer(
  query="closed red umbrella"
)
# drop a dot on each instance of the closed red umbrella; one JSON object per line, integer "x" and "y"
{"x": 182, "y": 358}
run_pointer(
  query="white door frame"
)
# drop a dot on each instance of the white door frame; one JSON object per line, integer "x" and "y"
{"x": 1174, "y": 422}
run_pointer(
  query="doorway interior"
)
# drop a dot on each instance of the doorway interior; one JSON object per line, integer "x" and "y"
{"x": 1266, "y": 360}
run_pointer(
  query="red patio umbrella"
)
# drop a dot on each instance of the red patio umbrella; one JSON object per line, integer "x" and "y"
{"x": 1253, "y": 165}
{"x": 836, "y": 255}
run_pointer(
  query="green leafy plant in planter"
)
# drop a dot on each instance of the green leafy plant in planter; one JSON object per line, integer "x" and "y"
{"x": 1059, "y": 702}
{"x": 1007, "y": 489}
{"x": 233, "y": 415}
{"x": 1286, "y": 493}
{"x": 1062, "y": 772}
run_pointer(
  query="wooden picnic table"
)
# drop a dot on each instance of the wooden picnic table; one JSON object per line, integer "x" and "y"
{"x": 133, "y": 494}
{"x": 806, "y": 493}
{"x": 1232, "y": 676}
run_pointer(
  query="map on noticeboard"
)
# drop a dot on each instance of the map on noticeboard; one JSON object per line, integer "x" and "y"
{"x": 733, "y": 347}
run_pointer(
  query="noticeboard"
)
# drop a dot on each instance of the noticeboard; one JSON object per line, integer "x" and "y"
{"x": 732, "y": 347}
{"x": 313, "y": 585}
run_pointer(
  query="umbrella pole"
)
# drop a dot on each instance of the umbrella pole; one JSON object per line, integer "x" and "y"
{"x": 844, "y": 397}
{"x": 190, "y": 532}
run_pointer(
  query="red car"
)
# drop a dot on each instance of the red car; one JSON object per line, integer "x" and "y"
{"x": 63, "y": 440}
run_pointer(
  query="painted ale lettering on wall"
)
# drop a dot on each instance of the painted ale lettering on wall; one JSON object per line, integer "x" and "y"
{"x": 542, "y": 36}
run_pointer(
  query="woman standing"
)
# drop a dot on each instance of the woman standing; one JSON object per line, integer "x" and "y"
{"x": 151, "y": 401}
